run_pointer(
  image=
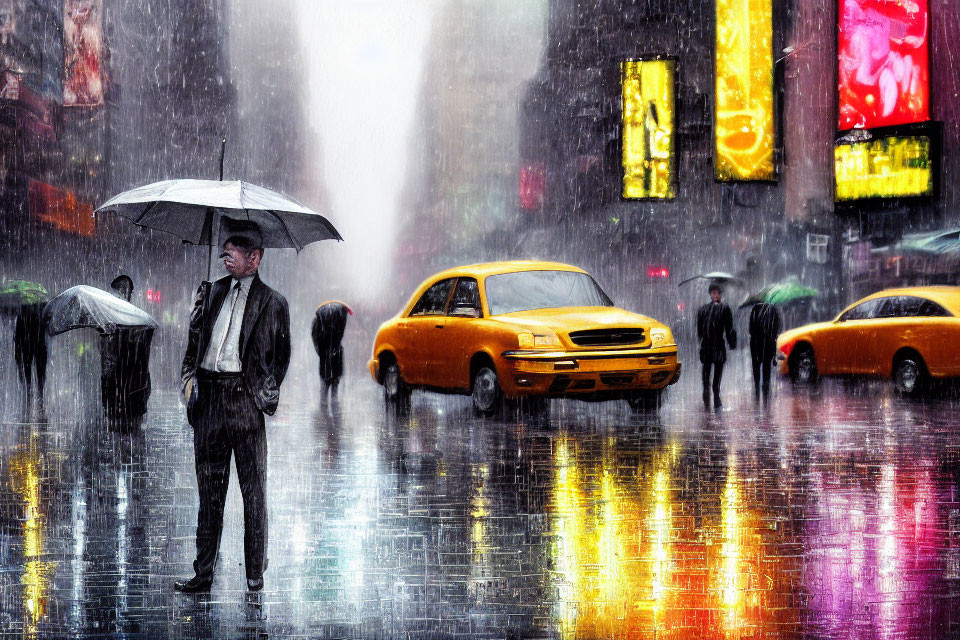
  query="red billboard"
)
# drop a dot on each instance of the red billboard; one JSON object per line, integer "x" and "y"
{"x": 61, "y": 209}
{"x": 83, "y": 81}
{"x": 883, "y": 50}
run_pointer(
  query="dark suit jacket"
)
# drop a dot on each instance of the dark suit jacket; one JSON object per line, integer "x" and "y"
{"x": 264, "y": 339}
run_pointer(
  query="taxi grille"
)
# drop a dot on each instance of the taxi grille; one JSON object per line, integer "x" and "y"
{"x": 606, "y": 337}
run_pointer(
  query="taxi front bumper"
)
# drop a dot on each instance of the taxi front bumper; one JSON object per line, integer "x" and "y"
{"x": 585, "y": 373}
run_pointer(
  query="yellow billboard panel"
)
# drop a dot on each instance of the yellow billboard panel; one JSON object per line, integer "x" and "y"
{"x": 648, "y": 117}
{"x": 894, "y": 166}
{"x": 743, "y": 115}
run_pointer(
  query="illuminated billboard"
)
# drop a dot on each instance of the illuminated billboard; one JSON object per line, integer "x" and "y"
{"x": 883, "y": 72}
{"x": 648, "y": 117}
{"x": 743, "y": 116}
{"x": 83, "y": 81}
{"x": 886, "y": 166}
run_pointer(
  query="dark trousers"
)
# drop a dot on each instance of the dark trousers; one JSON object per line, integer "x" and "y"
{"x": 717, "y": 376}
{"x": 761, "y": 371}
{"x": 228, "y": 422}
{"x": 30, "y": 358}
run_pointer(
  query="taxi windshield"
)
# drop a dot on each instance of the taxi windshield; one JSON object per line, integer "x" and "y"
{"x": 528, "y": 290}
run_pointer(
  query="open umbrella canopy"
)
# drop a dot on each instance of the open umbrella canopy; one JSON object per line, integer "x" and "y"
{"x": 781, "y": 293}
{"x": 720, "y": 277}
{"x": 84, "y": 306}
{"x": 193, "y": 209}
{"x": 17, "y": 293}
{"x": 935, "y": 243}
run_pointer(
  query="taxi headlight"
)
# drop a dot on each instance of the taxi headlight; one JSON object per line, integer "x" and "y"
{"x": 659, "y": 337}
{"x": 537, "y": 340}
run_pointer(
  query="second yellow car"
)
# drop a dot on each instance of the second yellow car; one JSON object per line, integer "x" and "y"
{"x": 909, "y": 335}
{"x": 522, "y": 329}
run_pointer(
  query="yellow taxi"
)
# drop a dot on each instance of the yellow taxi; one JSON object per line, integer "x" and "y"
{"x": 909, "y": 335}
{"x": 522, "y": 329}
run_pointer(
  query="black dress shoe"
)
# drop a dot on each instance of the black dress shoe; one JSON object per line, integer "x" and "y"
{"x": 254, "y": 584}
{"x": 196, "y": 584}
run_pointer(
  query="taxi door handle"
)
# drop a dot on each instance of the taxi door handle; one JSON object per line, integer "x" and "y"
{"x": 438, "y": 326}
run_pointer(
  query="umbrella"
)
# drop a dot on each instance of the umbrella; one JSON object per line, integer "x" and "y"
{"x": 193, "y": 210}
{"x": 781, "y": 293}
{"x": 17, "y": 293}
{"x": 84, "y": 306}
{"x": 721, "y": 277}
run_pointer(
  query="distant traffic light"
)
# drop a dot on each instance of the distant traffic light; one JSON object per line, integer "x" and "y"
{"x": 153, "y": 295}
{"x": 657, "y": 271}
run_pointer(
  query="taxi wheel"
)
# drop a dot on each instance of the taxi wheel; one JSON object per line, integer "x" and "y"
{"x": 395, "y": 390}
{"x": 909, "y": 374}
{"x": 803, "y": 366}
{"x": 486, "y": 391}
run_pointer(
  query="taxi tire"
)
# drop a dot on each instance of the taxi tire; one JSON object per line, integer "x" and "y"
{"x": 909, "y": 374}
{"x": 485, "y": 391}
{"x": 396, "y": 392}
{"x": 803, "y": 365}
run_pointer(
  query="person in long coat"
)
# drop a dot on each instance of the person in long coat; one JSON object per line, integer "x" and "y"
{"x": 238, "y": 351}
{"x": 329, "y": 323}
{"x": 30, "y": 353}
{"x": 714, "y": 324}
{"x": 764, "y": 329}
{"x": 125, "y": 375}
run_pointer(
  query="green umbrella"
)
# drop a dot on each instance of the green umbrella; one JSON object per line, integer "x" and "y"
{"x": 17, "y": 293}
{"x": 781, "y": 293}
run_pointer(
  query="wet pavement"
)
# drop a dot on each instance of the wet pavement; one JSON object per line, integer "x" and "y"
{"x": 832, "y": 513}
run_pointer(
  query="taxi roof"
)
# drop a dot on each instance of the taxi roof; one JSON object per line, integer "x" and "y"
{"x": 945, "y": 295}
{"x": 484, "y": 269}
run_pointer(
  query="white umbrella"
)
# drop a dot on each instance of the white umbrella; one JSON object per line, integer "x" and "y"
{"x": 85, "y": 306}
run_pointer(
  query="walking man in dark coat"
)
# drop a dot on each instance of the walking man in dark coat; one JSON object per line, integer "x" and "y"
{"x": 30, "y": 353}
{"x": 236, "y": 359}
{"x": 714, "y": 322}
{"x": 764, "y": 329}
{"x": 329, "y": 324}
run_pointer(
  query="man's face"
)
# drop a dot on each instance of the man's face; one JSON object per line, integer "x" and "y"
{"x": 716, "y": 295}
{"x": 240, "y": 262}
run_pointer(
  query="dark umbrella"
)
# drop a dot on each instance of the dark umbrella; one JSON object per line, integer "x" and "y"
{"x": 720, "y": 277}
{"x": 193, "y": 210}
{"x": 83, "y": 306}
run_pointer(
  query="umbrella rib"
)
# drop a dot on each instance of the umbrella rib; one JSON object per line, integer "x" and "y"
{"x": 286, "y": 229}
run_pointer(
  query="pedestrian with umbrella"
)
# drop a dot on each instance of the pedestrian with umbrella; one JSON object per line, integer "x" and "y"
{"x": 329, "y": 323}
{"x": 764, "y": 328}
{"x": 238, "y": 346}
{"x": 714, "y": 323}
{"x": 27, "y": 300}
{"x": 124, "y": 337}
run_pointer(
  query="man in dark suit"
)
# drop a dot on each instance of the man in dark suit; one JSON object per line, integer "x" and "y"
{"x": 237, "y": 355}
{"x": 714, "y": 322}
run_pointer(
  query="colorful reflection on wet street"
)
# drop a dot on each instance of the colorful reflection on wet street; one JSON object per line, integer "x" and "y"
{"x": 832, "y": 513}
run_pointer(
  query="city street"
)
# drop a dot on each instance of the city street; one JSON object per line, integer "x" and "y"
{"x": 832, "y": 512}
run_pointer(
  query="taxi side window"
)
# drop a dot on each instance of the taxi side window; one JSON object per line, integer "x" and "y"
{"x": 434, "y": 300}
{"x": 863, "y": 311}
{"x": 928, "y": 308}
{"x": 466, "y": 299}
{"x": 891, "y": 307}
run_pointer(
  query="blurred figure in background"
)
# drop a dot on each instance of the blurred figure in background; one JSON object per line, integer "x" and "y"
{"x": 329, "y": 324}
{"x": 125, "y": 375}
{"x": 764, "y": 329}
{"x": 122, "y": 287}
{"x": 30, "y": 353}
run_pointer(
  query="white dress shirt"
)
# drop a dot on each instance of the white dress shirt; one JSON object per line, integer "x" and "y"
{"x": 223, "y": 351}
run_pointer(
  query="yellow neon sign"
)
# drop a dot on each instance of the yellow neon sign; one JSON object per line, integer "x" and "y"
{"x": 883, "y": 168}
{"x": 648, "y": 116}
{"x": 743, "y": 117}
